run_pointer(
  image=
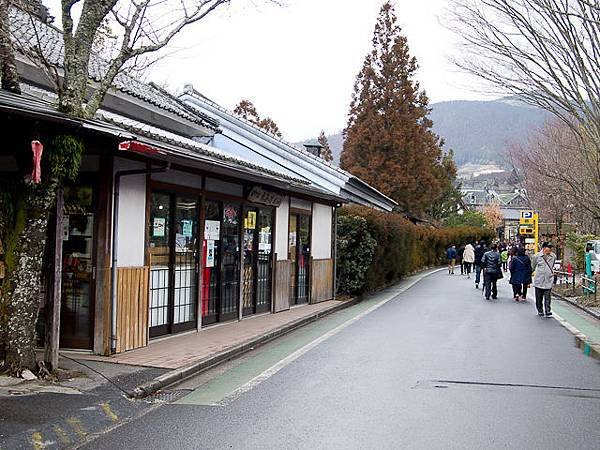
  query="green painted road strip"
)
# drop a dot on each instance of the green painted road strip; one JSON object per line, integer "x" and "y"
{"x": 216, "y": 389}
{"x": 586, "y": 325}
{"x": 229, "y": 385}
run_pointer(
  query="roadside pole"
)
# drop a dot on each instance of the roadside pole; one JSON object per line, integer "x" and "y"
{"x": 536, "y": 231}
{"x": 529, "y": 230}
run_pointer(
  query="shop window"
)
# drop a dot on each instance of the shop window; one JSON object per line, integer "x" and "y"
{"x": 221, "y": 261}
{"x": 173, "y": 259}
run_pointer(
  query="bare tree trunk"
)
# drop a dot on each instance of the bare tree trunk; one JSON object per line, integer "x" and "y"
{"x": 8, "y": 65}
{"x": 78, "y": 48}
{"x": 22, "y": 296}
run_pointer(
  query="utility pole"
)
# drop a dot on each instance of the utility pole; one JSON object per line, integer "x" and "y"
{"x": 53, "y": 321}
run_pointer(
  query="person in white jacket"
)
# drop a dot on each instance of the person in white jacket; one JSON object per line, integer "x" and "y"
{"x": 468, "y": 259}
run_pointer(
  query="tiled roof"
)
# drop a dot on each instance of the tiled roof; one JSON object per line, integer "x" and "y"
{"x": 176, "y": 140}
{"x": 476, "y": 196}
{"x": 31, "y": 35}
{"x": 507, "y": 198}
{"x": 190, "y": 90}
{"x": 298, "y": 152}
{"x": 38, "y": 102}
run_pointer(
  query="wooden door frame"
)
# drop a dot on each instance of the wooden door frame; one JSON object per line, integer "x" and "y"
{"x": 245, "y": 208}
{"x": 224, "y": 317}
{"x": 301, "y": 212}
{"x": 268, "y": 307}
{"x": 95, "y": 209}
{"x": 170, "y": 327}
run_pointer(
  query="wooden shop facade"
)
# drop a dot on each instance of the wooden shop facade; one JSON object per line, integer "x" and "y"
{"x": 182, "y": 215}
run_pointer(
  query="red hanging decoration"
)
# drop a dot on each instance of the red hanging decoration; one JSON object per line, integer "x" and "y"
{"x": 37, "y": 148}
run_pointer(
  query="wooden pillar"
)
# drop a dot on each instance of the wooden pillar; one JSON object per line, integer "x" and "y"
{"x": 200, "y": 274}
{"x": 102, "y": 263}
{"x": 53, "y": 318}
{"x": 334, "y": 252}
{"x": 241, "y": 260}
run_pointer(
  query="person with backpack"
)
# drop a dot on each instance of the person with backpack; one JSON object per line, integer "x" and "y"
{"x": 543, "y": 280}
{"x": 451, "y": 257}
{"x": 491, "y": 263}
{"x": 520, "y": 274}
{"x": 479, "y": 252}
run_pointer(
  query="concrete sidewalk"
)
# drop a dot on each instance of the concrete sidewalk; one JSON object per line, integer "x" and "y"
{"x": 177, "y": 351}
{"x": 191, "y": 353}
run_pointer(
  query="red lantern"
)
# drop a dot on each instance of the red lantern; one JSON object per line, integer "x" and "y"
{"x": 37, "y": 148}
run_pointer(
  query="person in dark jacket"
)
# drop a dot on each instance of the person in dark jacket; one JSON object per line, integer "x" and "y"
{"x": 479, "y": 252}
{"x": 520, "y": 274}
{"x": 451, "y": 257}
{"x": 491, "y": 262}
{"x": 459, "y": 258}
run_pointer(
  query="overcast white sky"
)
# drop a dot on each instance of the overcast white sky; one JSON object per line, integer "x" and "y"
{"x": 297, "y": 63}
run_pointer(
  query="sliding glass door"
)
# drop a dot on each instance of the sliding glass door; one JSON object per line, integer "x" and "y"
{"x": 221, "y": 262}
{"x": 173, "y": 249}
{"x": 299, "y": 255}
{"x": 257, "y": 260}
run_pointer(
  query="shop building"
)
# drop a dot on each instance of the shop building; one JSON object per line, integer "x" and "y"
{"x": 169, "y": 228}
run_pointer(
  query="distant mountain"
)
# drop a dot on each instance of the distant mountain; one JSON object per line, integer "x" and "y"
{"x": 479, "y": 132}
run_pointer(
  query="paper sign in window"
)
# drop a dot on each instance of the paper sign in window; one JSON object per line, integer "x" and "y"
{"x": 212, "y": 230}
{"x": 158, "y": 227}
{"x": 210, "y": 253}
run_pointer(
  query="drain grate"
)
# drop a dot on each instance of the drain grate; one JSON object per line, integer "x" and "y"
{"x": 167, "y": 396}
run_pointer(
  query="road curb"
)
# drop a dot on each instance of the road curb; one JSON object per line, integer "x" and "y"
{"x": 581, "y": 340}
{"x": 583, "y": 308}
{"x": 150, "y": 387}
{"x": 162, "y": 381}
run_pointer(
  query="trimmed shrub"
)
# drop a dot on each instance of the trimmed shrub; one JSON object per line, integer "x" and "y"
{"x": 355, "y": 249}
{"x": 399, "y": 247}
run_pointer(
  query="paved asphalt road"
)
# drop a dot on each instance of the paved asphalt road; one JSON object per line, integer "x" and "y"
{"x": 436, "y": 367}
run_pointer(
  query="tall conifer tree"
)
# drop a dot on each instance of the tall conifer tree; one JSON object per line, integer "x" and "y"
{"x": 389, "y": 142}
{"x": 326, "y": 150}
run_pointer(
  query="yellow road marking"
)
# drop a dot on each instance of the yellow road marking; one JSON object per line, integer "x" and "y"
{"x": 62, "y": 435}
{"x": 36, "y": 441}
{"x": 77, "y": 426}
{"x": 109, "y": 412}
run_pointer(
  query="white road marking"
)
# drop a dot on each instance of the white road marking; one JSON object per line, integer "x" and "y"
{"x": 575, "y": 331}
{"x": 301, "y": 351}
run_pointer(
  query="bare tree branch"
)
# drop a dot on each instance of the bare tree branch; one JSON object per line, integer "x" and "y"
{"x": 558, "y": 175}
{"x": 543, "y": 51}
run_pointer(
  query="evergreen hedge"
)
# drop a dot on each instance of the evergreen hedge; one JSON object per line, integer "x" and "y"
{"x": 400, "y": 247}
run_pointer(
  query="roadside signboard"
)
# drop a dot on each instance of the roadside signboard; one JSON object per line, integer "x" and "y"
{"x": 524, "y": 229}
{"x": 526, "y": 214}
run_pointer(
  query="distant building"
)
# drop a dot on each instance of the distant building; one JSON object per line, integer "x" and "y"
{"x": 501, "y": 190}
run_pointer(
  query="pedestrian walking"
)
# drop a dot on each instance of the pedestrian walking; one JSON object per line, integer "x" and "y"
{"x": 543, "y": 279}
{"x": 492, "y": 272}
{"x": 459, "y": 258}
{"x": 451, "y": 257}
{"x": 504, "y": 256}
{"x": 479, "y": 252}
{"x": 469, "y": 259}
{"x": 520, "y": 274}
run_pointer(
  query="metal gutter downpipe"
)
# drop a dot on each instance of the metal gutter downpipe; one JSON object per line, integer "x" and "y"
{"x": 115, "y": 240}
{"x": 335, "y": 249}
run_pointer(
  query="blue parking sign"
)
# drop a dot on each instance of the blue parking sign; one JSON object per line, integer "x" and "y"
{"x": 526, "y": 214}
